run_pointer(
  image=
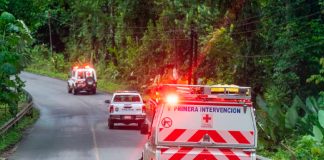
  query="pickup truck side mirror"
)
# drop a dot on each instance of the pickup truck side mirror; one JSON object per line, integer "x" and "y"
{"x": 107, "y": 101}
{"x": 144, "y": 129}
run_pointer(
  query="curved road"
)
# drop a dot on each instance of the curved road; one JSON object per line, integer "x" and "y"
{"x": 74, "y": 127}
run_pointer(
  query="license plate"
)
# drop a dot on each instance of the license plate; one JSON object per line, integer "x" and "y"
{"x": 127, "y": 117}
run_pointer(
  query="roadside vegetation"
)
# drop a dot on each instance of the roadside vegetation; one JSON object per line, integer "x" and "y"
{"x": 15, "y": 134}
{"x": 274, "y": 46}
{"x": 15, "y": 43}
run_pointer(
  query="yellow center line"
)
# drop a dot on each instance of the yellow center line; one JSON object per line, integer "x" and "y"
{"x": 95, "y": 143}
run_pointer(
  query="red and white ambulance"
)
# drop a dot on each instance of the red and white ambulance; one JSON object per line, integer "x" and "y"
{"x": 200, "y": 122}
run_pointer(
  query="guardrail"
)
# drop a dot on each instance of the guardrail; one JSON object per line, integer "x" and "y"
{"x": 261, "y": 158}
{"x": 26, "y": 109}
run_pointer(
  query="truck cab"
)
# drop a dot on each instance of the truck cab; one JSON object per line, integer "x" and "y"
{"x": 201, "y": 122}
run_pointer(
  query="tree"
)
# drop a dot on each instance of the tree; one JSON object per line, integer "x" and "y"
{"x": 15, "y": 39}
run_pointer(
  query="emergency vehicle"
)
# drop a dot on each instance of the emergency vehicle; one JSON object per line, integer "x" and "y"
{"x": 126, "y": 107}
{"x": 200, "y": 122}
{"x": 82, "y": 78}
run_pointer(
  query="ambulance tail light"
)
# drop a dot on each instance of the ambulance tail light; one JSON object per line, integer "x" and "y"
{"x": 111, "y": 109}
{"x": 172, "y": 99}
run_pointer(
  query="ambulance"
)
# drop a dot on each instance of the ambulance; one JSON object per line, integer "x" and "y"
{"x": 200, "y": 122}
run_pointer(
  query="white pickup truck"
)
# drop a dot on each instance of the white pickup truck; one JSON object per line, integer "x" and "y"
{"x": 126, "y": 107}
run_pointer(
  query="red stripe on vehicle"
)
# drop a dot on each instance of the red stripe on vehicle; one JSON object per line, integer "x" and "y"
{"x": 161, "y": 129}
{"x": 163, "y": 150}
{"x": 247, "y": 153}
{"x": 200, "y": 134}
{"x": 229, "y": 154}
{"x": 239, "y": 137}
{"x": 181, "y": 153}
{"x": 174, "y": 135}
{"x": 216, "y": 137}
{"x": 205, "y": 154}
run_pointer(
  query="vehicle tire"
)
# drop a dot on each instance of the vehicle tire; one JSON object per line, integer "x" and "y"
{"x": 69, "y": 89}
{"x": 144, "y": 128}
{"x": 94, "y": 91}
{"x": 110, "y": 124}
{"x": 75, "y": 91}
{"x": 139, "y": 124}
{"x": 141, "y": 157}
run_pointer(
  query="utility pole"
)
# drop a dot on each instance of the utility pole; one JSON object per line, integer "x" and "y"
{"x": 50, "y": 32}
{"x": 191, "y": 53}
{"x": 195, "y": 56}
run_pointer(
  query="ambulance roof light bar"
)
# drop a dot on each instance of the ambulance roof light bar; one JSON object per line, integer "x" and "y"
{"x": 172, "y": 99}
{"x": 212, "y": 91}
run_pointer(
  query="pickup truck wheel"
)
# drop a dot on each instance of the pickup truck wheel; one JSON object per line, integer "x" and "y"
{"x": 94, "y": 91}
{"x": 110, "y": 125}
{"x": 139, "y": 124}
{"x": 75, "y": 91}
{"x": 69, "y": 89}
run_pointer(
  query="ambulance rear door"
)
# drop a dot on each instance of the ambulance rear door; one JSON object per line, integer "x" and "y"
{"x": 209, "y": 124}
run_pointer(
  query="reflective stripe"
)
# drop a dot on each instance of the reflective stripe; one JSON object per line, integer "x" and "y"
{"x": 221, "y": 137}
{"x": 174, "y": 135}
{"x": 190, "y": 153}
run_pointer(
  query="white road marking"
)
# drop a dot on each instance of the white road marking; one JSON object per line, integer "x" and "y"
{"x": 95, "y": 143}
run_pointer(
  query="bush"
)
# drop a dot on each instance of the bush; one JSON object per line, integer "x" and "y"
{"x": 308, "y": 148}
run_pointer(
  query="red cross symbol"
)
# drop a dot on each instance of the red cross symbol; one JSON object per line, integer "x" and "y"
{"x": 206, "y": 118}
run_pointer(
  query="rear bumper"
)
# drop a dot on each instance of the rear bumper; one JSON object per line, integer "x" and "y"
{"x": 82, "y": 87}
{"x": 202, "y": 153}
{"x": 127, "y": 118}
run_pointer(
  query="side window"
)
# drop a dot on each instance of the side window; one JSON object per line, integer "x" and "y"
{"x": 117, "y": 99}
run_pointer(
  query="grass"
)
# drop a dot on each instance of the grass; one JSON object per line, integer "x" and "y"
{"x": 15, "y": 134}
{"x": 43, "y": 72}
{"x": 4, "y": 110}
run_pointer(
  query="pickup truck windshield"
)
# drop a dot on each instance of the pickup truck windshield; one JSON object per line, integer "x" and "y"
{"x": 127, "y": 98}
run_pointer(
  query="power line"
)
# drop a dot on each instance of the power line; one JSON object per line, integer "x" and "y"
{"x": 275, "y": 55}
{"x": 271, "y": 15}
{"x": 282, "y": 24}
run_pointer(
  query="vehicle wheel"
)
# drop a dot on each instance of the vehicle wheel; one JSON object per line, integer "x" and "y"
{"x": 144, "y": 128}
{"x": 75, "y": 91}
{"x": 139, "y": 124}
{"x": 141, "y": 157}
{"x": 94, "y": 91}
{"x": 69, "y": 89}
{"x": 110, "y": 125}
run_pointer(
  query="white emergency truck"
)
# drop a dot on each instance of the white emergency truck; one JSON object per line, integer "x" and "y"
{"x": 200, "y": 122}
{"x": 82, "y": 78}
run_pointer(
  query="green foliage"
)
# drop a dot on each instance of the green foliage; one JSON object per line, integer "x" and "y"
{"x": 278, "y": 121}
{"x": 321, "y": 118}
{"x": 15, "y": 134}
{"x": 273, "y": 46}
{"x": 308, "y": 148}
{"x": 317, "y": 134}
{"x": 14, "y": 41}
{"x": 221, "y": 55}
{"x": 318, "y": 78}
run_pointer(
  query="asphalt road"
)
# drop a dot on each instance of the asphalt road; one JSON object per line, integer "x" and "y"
{"x": 74, "y": 127}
